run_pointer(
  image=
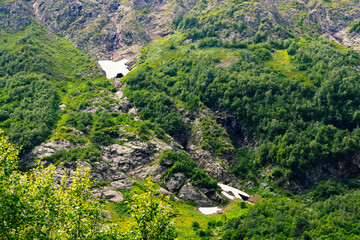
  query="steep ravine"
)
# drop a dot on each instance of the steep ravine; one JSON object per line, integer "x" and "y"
{"x": 133, "y": 159}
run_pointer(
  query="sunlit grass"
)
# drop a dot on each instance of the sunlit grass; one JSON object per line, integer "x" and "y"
{"x": 185, "y": 212}
{"x": 281, "y": 61}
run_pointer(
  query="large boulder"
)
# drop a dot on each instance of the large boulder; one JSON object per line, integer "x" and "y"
{"x": 49, "y": 148}
{"x": 215, "y": 196}
{"x": 123, "y": 184}
{"x": 175, "y": 182}
{"x": 133, "y": 154}
{"x": 113, "y": 195}
{"x": 127, "y": 157}
{"x": 189, "y": 193}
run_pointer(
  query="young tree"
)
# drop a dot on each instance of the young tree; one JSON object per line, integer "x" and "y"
{"x": 34, "y": 206}
{"x": 153, "y": 216}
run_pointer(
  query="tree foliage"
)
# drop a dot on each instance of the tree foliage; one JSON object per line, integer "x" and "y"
{"x": 182, "y": 163}
{"x": 153, "y": 216}
{"x": 35, "y": 206}
{"x": 280, "y": 218}
{"x": 300, "y": 120}
{"x": 32, "y": 71}
{"x": 41, "y": 205}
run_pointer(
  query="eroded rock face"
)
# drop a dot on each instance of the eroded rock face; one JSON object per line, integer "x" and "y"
{"x": 175, "y": 182}
{"x": 154, "y": 171}
{"x": 110, "y": 28}
{"x": 15, "y": 16}
{"x": 126, "y": 157}
{"x": 348, "y": 167}
{"x": 49, "y": 148}
{"x": 216, "y": 166}
{"x": 189, "y": 193}
{"x": 102, "y": 172}
{"x": 131, "y": 155}
{"x": 69, "y": 169}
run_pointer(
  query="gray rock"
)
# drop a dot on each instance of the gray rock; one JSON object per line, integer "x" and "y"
{"x": 49, "y": 148}
{"x": 69, "y": 169}
{"x": 62, "y": 107}
{"x": 123, "y": 184}
{"x": 164, "y": 192}
{"x": 103, "y": 172}
{"x": 175, "y": 182}
{"x": 154, "y": 171}
{"x": 216, "y": 166}
{"x": 167, "y": 163}
{"x": 15, "y": 16}
{"x": 108, "y": 29}
{"x": 212, "y": 165}
{"x": 132, "y": 155}
{"x": 113, "y": 195}
{"x": 189, "y": 193}
{"x": 215, "y": 196}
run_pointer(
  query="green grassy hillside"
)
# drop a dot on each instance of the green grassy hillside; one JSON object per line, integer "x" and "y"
{"x": 280, "y": 104}
{"x": 40, "y": 71}
{"x": 291, "y": 94}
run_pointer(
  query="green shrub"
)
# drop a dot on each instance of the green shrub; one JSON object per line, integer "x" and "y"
{"x": 184, "y": 164}
{"x": 262, "y": 54}
{"x": 195, "y": 225}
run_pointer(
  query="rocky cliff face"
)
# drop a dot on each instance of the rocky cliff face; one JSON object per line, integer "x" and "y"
{"x": 114, "y": 29}
{"x": 331, "y": 19}
{"x": 348, "y": 167}
{"x": 109, "y": 28}
{"x": 132, "y": 158}
{"x": 15, "y": 16}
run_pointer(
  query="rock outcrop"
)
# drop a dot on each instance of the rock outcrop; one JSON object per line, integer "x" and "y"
{"x": 175, "y": 182}
{"x": 15, "y": 16}
{"x": 192, "y": 194}
{"x": 131, "y": 155}
{"x": 215, "y": 165}
{"x": 112, "y": 28}
{"x": 348, "y": 167}
{"x": 111, "y": 195}
{"x": 49, "y": 148}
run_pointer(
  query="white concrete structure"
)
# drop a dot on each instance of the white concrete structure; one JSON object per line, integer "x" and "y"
{"x": 233, "y": 193}
{"x": 209, "y": 210}
{"x": 112, "y": 69}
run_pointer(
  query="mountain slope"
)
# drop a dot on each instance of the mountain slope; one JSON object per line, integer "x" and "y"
{"x": 293, "y": 110}
{"x": 219, "y": 88}
{"x": 247, "y": 93}
{"x": 59, "y": 110}
{"x": 119, "y": 29}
